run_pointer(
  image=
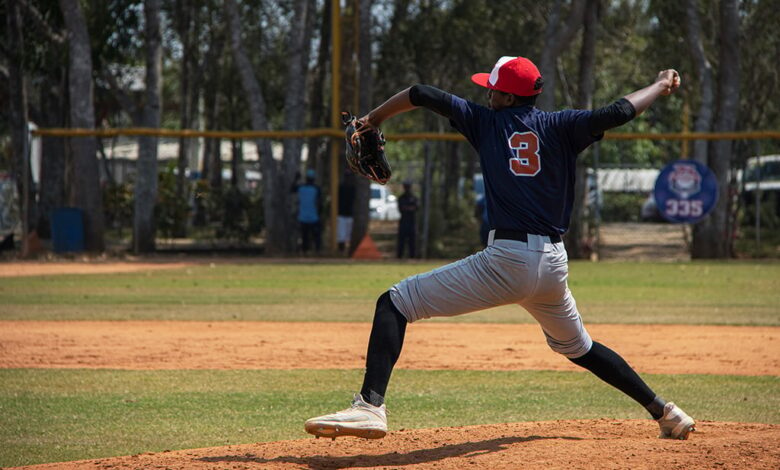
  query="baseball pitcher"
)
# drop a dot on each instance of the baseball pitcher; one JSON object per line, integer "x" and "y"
{"x": 528, "y": 162}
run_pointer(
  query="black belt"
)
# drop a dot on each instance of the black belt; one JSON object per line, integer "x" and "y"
{"x": 520, "y": 236}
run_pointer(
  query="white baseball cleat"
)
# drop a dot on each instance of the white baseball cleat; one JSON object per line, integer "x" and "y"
{"x": 359, "y": 420}
{"x": 675, "y": 424}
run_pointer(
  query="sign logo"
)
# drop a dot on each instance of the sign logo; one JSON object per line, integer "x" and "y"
{"x": 684, "y": 180}
{"x": 685, "y": 191}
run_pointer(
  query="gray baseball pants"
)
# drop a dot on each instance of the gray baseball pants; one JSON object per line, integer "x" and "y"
{"x": 531, "y": 274}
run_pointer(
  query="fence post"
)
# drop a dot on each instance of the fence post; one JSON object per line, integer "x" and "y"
{"x": 758, "y": 197}
{"x": 26, "y": 249}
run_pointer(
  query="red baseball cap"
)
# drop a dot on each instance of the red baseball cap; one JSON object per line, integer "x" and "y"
{"x": 516, "y": 75}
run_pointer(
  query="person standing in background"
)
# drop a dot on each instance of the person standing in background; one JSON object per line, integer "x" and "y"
{"x": 407, "y": 227}
{"x": 309, "y": 209}
{"x": 481, "y": 213}
{"x": 345, "y": 210}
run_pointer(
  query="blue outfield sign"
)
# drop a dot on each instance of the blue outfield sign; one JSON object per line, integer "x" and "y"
{"x": 685, "y": 191}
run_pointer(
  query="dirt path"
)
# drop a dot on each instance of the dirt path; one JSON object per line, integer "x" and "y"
{"x": 36, "y": 268}
{"x": 551, "y": 445}
{"x": 643, "y": 242}
{"x": 670, "y": 349}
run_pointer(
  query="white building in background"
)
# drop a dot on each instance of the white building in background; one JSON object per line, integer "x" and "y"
{"x": 627, "y": 180}
{"x": 122, "y": 153}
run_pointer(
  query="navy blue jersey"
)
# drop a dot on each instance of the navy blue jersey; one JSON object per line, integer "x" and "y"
{"x": 528, "y": 162}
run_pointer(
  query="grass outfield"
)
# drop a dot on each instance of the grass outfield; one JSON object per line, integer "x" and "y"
{"x": 728, "y": 293}
{"x": 50, "y": 415}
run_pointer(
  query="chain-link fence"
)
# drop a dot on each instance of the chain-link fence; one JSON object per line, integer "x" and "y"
{"x": 629, "y": 225}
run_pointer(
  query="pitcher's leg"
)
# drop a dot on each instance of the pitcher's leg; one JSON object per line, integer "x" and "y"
{"x": 566, "y": 334}
{"x": 384, "y": 347}
{"x": 456, "y": 288}
{"x": 492, "y": 277}
{"x": 555, "y": 309}
{"x": 561, "y": 323}
{"x": 367, "y": 416}
{"x": 607, "y": 365}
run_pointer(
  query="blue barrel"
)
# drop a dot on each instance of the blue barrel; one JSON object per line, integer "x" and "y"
{"x": 67, "y": 230}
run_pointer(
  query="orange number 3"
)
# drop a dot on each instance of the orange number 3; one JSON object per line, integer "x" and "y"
{"x": 525, "y": 146}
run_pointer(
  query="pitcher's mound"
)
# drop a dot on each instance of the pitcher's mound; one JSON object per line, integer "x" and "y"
{"x": 581, "y": 444}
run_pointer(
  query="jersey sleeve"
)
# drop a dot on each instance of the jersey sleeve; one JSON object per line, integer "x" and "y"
{"x": 576, "y": 125}
{"x": 609, "y": 117}
{"x": 470, "y": 119}
{"x": 432, "y": 98}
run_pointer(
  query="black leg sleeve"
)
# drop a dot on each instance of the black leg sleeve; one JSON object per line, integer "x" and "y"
{"x": 607, "y": 365}
{"x": 384, "y": 347}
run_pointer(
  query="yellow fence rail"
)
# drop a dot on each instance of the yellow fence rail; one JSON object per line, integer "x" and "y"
{"x": 338, "y": 133}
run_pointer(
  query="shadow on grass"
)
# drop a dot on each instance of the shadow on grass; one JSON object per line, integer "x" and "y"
{"x": 466, "y": 449}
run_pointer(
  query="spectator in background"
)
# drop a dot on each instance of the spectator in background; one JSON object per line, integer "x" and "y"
{"x": 309, "y": 209}
{"x": 8, "y": 242}
{"x": 481, "y": 213}
{"x": 346, "y": 210}
{"x": 407, "y": 231}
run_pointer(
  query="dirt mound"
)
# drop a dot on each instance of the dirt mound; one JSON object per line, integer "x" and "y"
{"x": 580, "y": 444}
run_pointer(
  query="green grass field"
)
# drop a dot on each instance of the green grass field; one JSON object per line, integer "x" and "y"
{"x": 49, "y": 415}
{"x": 731, "y": 293}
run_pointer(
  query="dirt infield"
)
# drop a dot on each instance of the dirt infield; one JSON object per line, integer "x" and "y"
{"x": 36, "y": 268}
{"x": 671, "y": 349}
{"x": 551, "y": 445}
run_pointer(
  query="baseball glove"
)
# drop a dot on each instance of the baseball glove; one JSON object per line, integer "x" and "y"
{"x": 366, "y": 150}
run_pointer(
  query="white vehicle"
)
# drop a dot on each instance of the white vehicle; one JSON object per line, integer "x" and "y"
{"x": 383, "y": 205}
{"x": 762, "y": 171}
{"x": 762, "y": 174}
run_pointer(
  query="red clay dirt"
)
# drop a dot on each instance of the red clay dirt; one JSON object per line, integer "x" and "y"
{"x": 34, "y": 268}
{"x": 579, "y": 444}
{"x": 670, "y": 349}
{"x": 550, "y": 445}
